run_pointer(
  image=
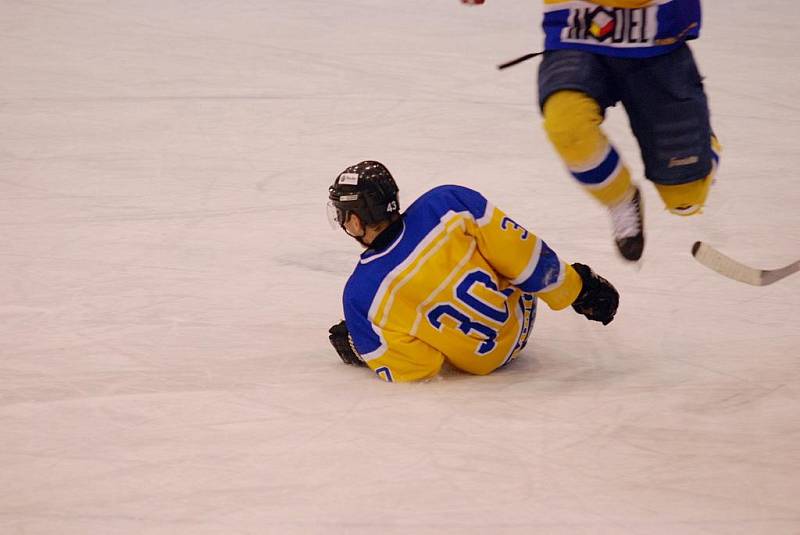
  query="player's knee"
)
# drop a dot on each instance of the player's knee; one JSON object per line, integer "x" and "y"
{"x": 572, "y": 120}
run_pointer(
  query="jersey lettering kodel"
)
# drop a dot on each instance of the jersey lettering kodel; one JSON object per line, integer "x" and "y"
{"x": 460, "y": 282}
{"x": 622, "y": 28}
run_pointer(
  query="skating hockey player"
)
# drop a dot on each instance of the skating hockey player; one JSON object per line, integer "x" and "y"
{"x": 599, "y": 53}
{"x": 452, "y": 278}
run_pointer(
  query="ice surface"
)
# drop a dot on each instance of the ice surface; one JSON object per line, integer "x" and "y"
{"x": 167, "y": 278}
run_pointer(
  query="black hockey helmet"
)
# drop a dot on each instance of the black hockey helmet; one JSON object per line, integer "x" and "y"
{"x": 366, "y": 189}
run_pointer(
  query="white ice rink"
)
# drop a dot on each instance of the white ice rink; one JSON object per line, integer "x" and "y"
{"x": 167, "y": 279}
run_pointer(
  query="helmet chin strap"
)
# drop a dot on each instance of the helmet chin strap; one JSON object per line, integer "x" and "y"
{"x": 359, "y": 239}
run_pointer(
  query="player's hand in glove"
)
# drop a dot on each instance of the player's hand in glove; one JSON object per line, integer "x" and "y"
{"x": 472, "y": 2}
{"x": 343, "y": 344}
{"x": 598, "y": 299}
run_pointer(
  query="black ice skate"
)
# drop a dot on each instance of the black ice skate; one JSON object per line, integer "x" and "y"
{"x": 626, "y": 217}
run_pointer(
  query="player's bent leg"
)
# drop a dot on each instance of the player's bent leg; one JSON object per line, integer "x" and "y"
{"x": 572, "y": 121}
{"x": 669, "y": 115}
{"x": 689, "y": 198}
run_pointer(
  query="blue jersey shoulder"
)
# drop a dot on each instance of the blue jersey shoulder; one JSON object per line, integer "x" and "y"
{"x": 449, "y": 198}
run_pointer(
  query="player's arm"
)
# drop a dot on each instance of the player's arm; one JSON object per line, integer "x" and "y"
{"x": 525, "y": 259}
{"x": 516, "y": 253}
{"x": 400, "y": 358}
{"x": 530, "y": 264}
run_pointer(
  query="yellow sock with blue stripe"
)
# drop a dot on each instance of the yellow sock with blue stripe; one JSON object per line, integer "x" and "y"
{"x": 572, "y": 121}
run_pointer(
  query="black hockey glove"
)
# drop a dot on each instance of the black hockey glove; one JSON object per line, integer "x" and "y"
{"x": 598, "y": 299}
{"x": 343, "y": 344}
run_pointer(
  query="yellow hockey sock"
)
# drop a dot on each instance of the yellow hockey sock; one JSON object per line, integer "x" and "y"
{"x": 689, "y": 199}
{"x": 685, "y": 199}
{"x": 572, "y": 121}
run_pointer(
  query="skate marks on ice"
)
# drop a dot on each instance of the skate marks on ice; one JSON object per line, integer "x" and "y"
{"x": 330, "y": 261}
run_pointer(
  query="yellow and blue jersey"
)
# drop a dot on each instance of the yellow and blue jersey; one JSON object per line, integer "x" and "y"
{"x": 459, "y": 282}
{"x": 622, "y": 28}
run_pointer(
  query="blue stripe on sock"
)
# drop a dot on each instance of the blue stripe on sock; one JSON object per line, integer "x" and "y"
{"x": 601, "y": 172}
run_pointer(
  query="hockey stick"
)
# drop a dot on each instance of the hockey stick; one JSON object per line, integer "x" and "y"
{"x": 724, "y": 265}
{"x": 520, "y": 59}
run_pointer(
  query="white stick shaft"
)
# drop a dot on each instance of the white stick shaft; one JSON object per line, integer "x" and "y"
{"x": 727, "y": 266}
